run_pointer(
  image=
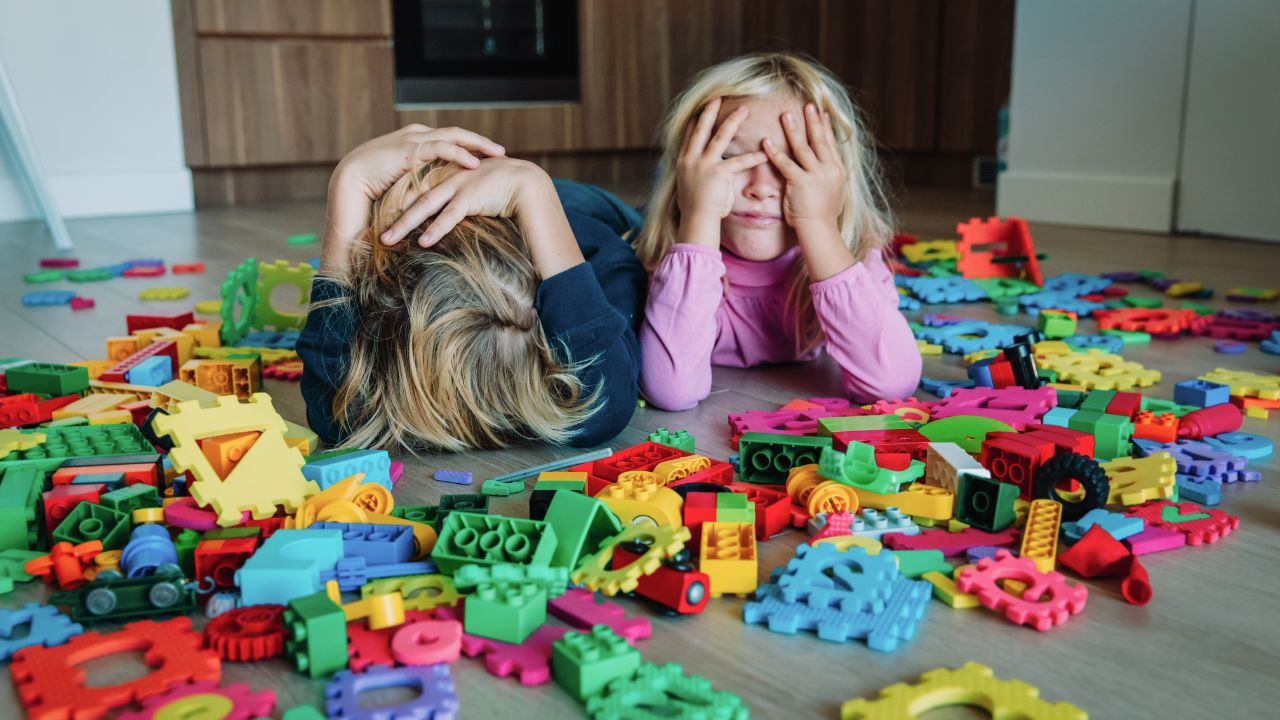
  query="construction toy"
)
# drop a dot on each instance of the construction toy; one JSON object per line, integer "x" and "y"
{"x": 1135, "y": 480}
{"x": 1014, "y": 406}
{"x": 247, "y": 634}
{"x": 728, "y": 557}
{"x": 149, "y": 548}
{"x": 111, "y": 597}
{"x": 679, "y": 439}
{"x": 858, "y": 468}
{"x": 1047, "y": 600}
{"x": 45, "y": 627}
{"x": 666, "y": 692}
{"x": 468, "y": 538}
{"x": 1040, "y": 535}
{"x": 315, "y": 635}
{"x": 971, "y": 685}
{"x": 945, "y": 461}
{"x": 997, "y": 248}
{"x": 918, "y": 501}
{"x": 420, "y": 592}
{"x": 677, "y": 586}
{"x": 1199, "y": 525}
{"x": 65, "y": 564}
{"x": 597, "y": 571}
{"x": 985, "y": 503}
{"x": 1116, "y": 525}
{"x": 766, "y": 458}
{"x": 949, "y": 543}
{"x": 636, "y": 499}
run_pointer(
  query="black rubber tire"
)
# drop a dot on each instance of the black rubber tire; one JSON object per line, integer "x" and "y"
{"x": 1072, "y": 466}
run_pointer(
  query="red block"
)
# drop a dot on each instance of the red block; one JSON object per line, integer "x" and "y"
{"x": 188, "y": 268}
{"x": 684, "y": 591}
{"x": 165, "y": 347}
{"x": 645, "y": 456}
{"x": 699, "y": 507}
{"x": 135, "y": 323}
{"x": 144, "y": 271}
{"x": 907, "y": 440}
{"x": 1125, "y": 404}
{"x": 219, "y": 559}
{"x": 60, "y": 501}
{"x": 135, "y": 473}
{"x": 773, "y": 508}
{"x": 1065, "y": 439}
{"x": 1015, "y": 458}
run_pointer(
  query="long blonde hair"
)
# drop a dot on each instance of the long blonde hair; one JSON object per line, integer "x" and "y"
{"x": 448, "y": 351}
{"x": 865, "y": 223}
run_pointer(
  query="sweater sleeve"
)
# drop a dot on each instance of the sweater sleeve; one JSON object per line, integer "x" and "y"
{"x": 324, "y": 347}
{"x": 679, "y": 329}
{"x": 866, "y": 334}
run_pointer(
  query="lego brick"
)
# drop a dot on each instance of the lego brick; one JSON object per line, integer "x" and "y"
{"x": 582, "y": 664}
{"x": 47, "y": 379}
{"x": 375, "y": 464}
{"x": 377, "y": 544}
{"x": 944, "y": 461}
{"x": 316, "y": 634}
{"x": 61, "y": 500}
{"x": 89, "y": 521}
{"x": 468, "y": 538}
{"x": 985, "y": 503}
{"x": 728, "y": 556}
{"x": 679, "y": 439}
{"x": 19, "y": 500}
{"x": 288, "y": 565}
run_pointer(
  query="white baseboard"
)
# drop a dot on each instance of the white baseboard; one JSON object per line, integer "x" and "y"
{"x": 1124, "y": 202}
{"x": 98, "y": 195}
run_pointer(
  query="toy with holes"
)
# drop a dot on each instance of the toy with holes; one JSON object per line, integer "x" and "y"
{"x": 995, "y": 248}
{"x": 639, "y": 497}
{"x": 825, "y": 576}
{"x": 584, "y": 663}
{"x": 728, "y": 557}
{"x": 50, "y": 682}
{"x": 598, "y": 572}
{"x": 664, "y": 692}
{"x": 112, "y": 597}
{"x": 316, "y": 635}
{"x": 243, "y": 489}
{"x": 471, "y": 539}
{"x": 1198, "y": 524}
{"x": 1040, "y": 535}
{"x": 677, "y": 587}
{"x": 45, "y": 627}
{"x": 239, "y": 301}
{"x": 1016, "y": 458}
{"x": 431, "y": 687}
{"x": 276, "y": 274}
{"x": 808, "y": 488}
{"x": 972, "y": 685}
{"x": 202, "y": 699}
{"x": 1047, "y": 600}
{"x": 767, "y": 458}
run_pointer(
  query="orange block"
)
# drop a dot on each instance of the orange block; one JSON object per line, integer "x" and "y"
{"x": 1147, "y": 426}
{"x": 224, "y": 451}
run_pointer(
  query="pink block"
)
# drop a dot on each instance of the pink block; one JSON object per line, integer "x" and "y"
{"x": 1153, "y": 540}
{"x": 579, "y": 608}
{"x": 183, "y": 513}
{"x": 1015, "y": 406}
{"x": 82, "y": 303}
{"x": 59, "y": 263}
{"x": 948, "y": 542}
{"x": 397, "y": 470}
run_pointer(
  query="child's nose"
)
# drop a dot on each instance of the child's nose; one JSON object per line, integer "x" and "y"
{"x": 763, "y": 183}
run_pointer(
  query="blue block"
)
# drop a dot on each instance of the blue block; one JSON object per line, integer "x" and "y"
{"x": 454, "y": 477}
{"x": 314, "y": 263}
{"x": 1271, "y": 345}
{"x": 1058, "y": 417}
{"x": 152, "y": 372}
{"x": 46, "y": 627}
{"x": 377, "y": 544}
{"x": 1201, "y": 491}
{"x": 375, "y": 464}
{"x": 1076, "y": 284}
{"x": 284, "y": 340}
{"x": 1117, "y": 525}
{"x": 1105, "y": 343}
{"x": 352, "y": 572}
{"x": 1201, "y": 393}
{"x": 47, "y": 297}
{"x": 980, "y": 374}
{"x": 288, "y": 566}
{"x": 943, "y": 388}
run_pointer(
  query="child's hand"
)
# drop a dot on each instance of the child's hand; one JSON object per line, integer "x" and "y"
{"x": 373, "y": 167}
{"x": 704, "y": 178}
{"x": 493, "y": 189}
{"x": 816, "y": 179}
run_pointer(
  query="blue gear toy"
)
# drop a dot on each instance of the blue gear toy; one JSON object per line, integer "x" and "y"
{"x": 883, "y": 630}
{"x": 823, "y": 576}
{"x": 49, "y": 627}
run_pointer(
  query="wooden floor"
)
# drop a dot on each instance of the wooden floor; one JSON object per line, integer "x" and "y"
{"x": 1201, "y": 648}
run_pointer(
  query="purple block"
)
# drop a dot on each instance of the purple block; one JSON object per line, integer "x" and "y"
{"x": 1154, "y": 540}
{"x": 1229, "y": 347}
{"x": 974, "y": 554}
{"x": 454, "y": 477}
{"x": 1123, "y": 276}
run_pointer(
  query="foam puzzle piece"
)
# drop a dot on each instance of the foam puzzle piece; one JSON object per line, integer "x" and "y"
{"x": 1054, "y": 300}
{"x": 1246, "y": 384}
{"x": 944, "y": 289}
{"x": 1117, "y": 525}
{"x": 943, "y": 388}
{"x": 1199, "y": 525}
{"x": 972, "y": 684}
{"x": 1154, "y": 539}
{"x": 1047, "y": 601}
{"x": 1247, "y": 445}
{"x": 664, "y": 692}
{"x": 1203, "y": 491}
{"x": 1202, "y": 460}
{"x": 851, "y": 580}
{"x": 950, "y": 543}
{"x": 1105, "y": 343}
{"x": 434, "y": 696}
{"x": 884, "y": 630}
{"x": 1137, "y": 480}
{"x": 971, "y": 335}
{"x": 44, "y": 626}
{"x": 1014, "y": 406}
{"x": 48, "y": 298}
{"x": 1097, "y": 370}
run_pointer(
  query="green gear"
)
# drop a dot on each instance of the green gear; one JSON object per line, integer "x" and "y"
{"x": 240, "y": 289}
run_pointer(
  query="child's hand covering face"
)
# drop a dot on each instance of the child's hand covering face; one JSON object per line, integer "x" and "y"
{"x": 816, "y": 177}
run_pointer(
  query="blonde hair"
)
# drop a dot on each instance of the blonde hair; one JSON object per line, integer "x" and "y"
{"x": 865, "y": 222}
{"x": 448, "y": 351}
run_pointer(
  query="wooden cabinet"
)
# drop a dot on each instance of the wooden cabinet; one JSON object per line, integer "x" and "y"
{"x": 326, "y": 18}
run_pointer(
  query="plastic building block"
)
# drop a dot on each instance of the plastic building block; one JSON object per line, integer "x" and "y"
{"x": 883, "y": 630}
{"x": 944, "y": 463}
{"x": 766, "y": 458}
{"x": 247, "y": 634}
{"x": 596, "y": 572}
{"x": 271, "y": 276}
{"x": 47, "y": 298}
{"x": 376, "y": 544}
{"x": 243, "y": 489}
{"x": 468, "y": 538}
{"x": 130, "y": 498}
{"x": 88, "y": 521}
{"x": 51, "y": 685}
{"x": 581, "y": 525}
{"x": 1199, "y": 525}
{"x": 675, "y": 586}
{"x": 1204, "y": 461}
{"x": 1116, "y": 525}
{"x": 949, "y": 543}
{"x": 81, "y": 443}
{"x": 1012, "y": 405}
{"x": 419, "y": 592}
{"x": 1056, "y": 324}
{"x": 47, "y": 379}
{"x": 1057, "y": 473}
{"x": 985, "y": 503}
{"x": 637, "y": 498}
{"x": 872, "y": 523}
{"x": 65, "y": 564}
{"x": 218, "y": 559}
{"x": 325, "y": 471}
{"x": 1040, "y": 534}
{"x": 679, "y": 439}
{"x": 379, "y": 610}
{"x": 316, "y": 635}
{"x": 461, "y": 502}
{"x": 1047, "y": 600}
{"x": 665, "y": 692}
{"x": 288, "y": 566}
{"x": 728, "y": 556}
{"x": 584, "y": 663}
{"x": 455, "y": 477}
{"x": 1246, "y": 384}
{"x": 44, "y": 626}
{"x": 971, "y": 685}
{"x": 551, "y": 580}
{"x": 1135, "y": 480}
{"x": 829, "y": 426}
{"x": 944, "y": 589}
{"x": 508, "y": 612}
{"x": 110, "y": 597}
{"x": 1203, "y": 491}
{"x": 239, "y": 301}
{"x": 857, "y": 467}
{"x": 1148, "y": 426}
{"x": 148, "y": 548}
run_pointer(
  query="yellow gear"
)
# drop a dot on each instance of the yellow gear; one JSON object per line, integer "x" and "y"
{"x": 594, "y": 572}
{"x": 973, "y": 684}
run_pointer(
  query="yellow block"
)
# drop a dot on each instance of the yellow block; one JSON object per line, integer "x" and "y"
{"x": 176, "y": 293}
{"x": 1097, "y": 370}
{"x": 93, "y": 404}
{"x": 637, "y": 502}
{"x": 270, "y": 356}
{"x": 1246, "y": 384}
{"x": 300, "y": 437}
{"x": 185, "y": 343}
{"x": 1137, "y": 480}
{"x": 111, "y": 417}
{"x": 681, "y": 467}
{"x": 119, "y": 348}
{"x": 1040, "y": 538}
{"x": 11, "y": 439}
{"x": 928, "y": 348}
{"x": 944, "y": 588}
{"x": 930, "y": 251}
{"x": 95, "y": 367}
{"x": 1050, "y": 348}
{"x": 977, "y": 355}
{"x": 728, "y": 557}
{"x": 209, "y": 307}
{"x": 205, "y": 334}
{"x": 922, "y": 500}
{"x": 170, "y": 394}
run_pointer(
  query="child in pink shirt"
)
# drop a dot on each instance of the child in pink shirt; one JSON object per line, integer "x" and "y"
{"x": 765, "y": 237}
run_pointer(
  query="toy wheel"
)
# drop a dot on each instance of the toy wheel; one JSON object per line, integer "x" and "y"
{"x": 682, "y": 561}
{"x": 108, "y": 575}
{"x": 1059, "y": 469}
{"x": 168, "y": 569}
{"x": 695, "y": 592}
{"x": 164, "y": 595}
{"x": 100, "y": 601}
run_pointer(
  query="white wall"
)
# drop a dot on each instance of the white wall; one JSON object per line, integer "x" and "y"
{"x": 1230, "y": 179}
{"x": 1095, "y": 112}
{"x": 97, "y": 84}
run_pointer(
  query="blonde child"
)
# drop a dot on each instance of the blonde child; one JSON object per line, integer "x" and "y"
{"x": 765, "y": 237}
{"x": 458, "y": 305}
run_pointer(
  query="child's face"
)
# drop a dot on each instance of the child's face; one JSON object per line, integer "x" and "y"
{"x": 754, "y": 229}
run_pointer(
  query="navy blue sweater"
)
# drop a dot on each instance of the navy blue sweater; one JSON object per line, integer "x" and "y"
{"x": 591, "y": 309}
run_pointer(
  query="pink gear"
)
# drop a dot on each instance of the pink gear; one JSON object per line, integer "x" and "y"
{"x": 1166, "y": 515}
{"x": 1063, "y": 600}
{"x": 233, "y": 702}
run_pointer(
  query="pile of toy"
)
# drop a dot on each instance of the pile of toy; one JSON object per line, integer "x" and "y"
{"x": 161, "y": 481}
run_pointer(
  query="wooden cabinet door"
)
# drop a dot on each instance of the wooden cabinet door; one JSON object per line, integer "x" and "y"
{"x": 349, "y": 18}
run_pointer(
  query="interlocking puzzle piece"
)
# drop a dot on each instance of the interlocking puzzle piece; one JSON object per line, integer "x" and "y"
{"x": 584, "y": 663}
{"x": 199, "y": 698}
{"x": 1247, "y": 445}
{"x": 944, "y": 289}
{"x": 240, "y": 300}
{"x": 1199, "y": 525}
{"x": 1012, "y": 405}
{"x": 1048, "y": 599}
{"x": 973, "y": 685}
{"x": 1039, "y": 536}
{"x": 1058, "y": 300}
{"x": 1153, "y": 539}
{"x": 44, "y": 625}
{"x": 1117, "y": 525}
{"x": 1099, "y": 370}
{"x": 971, "y": 335}
{"x": 665, "y": 692}
{"x": 1199, "y": 459}
{"x": 1164, "y": 322}
{"x": 930, "y": 251}
{"x": 431, "y": 684}
{"x": 1246, "y": 384}
{"x": 273, "y": 275}
{"x": 51, "y": 681}
{"x": 949, "y": 543}
{"x": 822, "y": 575}
{"x": 175, "y": 293}
{"x": 1006, "y": 289}
{"x": 1203, "y": 491}
{"x": 1104, "y": 343}
{"x": 243, "y": 489}
{"x": 917, "y": 501}
{"x": 1137, "y": 480}
{"x": 883, "y": 630}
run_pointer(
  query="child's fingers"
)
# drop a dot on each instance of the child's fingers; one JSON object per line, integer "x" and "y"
{"x": 729, "y": 128}
{"x": 424, "y": 207}
{"x": 816, "y": 133}
{"x": 745, "y": 161}
{"x": 788, "y": 167}
{"x": 702, "y": 131}
{"x": 447, "y": 220}
{"x": 442, "y": 150}
{"x": 829, "y": 136}
{"x": 466, "y": 138}
{"x": 795, "y": 138}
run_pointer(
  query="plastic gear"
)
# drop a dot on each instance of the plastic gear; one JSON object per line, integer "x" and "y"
{"x": 272, "y": 275}
{"x": 247, "y": 634}
{"x": 1072, "y": 466}
{"x": 206, "y": 700}
{"x": 239, "y": 289}
{"x": 972, "y": 684}
{"x": 823, "y": 575}
{"x": 664, "y": 692}
{"x": 1047, "y": 600}
{"x": 593, "y": 571}
{"x": 51, "y": 685}
{"x": 435, "y": 701}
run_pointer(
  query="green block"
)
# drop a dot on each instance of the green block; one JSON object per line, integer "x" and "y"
{"x": 231, "y": 532}
{"x": 1007, "y": 306}
{"x": 1070, "y": 398}
{"x": 425, "y": 514}
{"x": 131, "y": 497}
{"x": 19, "y": 509}
{"x": 301, "y": 239}
{"x": 497, "y": 488}
{"x": 553, "y": 485}
{"x": 90, "y": 521}
{"x": 1130, "y": 337}
{"x": 186, "y": 545}
{"x": 6, "y": 585}
{"x": 1056, "y": 325}
{"x": 1047, "y": 375}
{"x": 679, "y": 439}
{"x": 62, "y": 443}
{"x": 985, "y": 503}
{"x": 1142, "y": 302}
{"x": 316, "y": 635}
{"x": 856, "y": 467}
{"x": 461, "y": 502}
{"x": 90, "y": 275}
{"x": 735, "y": 507}
{"x": 44, "y": 276}
{"x": 330, "y": 454}
{"x": 1200, "y": 309}
{"x": 829, "y": 425}
{"x": 302, "y": 712}
{"x": 583, "y": 663}
{"x": 581, "y": 523}
{"x": 1156, "y": 405}
{"x": 1111, "y": 433}
{"x": 915, "y": 563}
{"x": 13, "y": 563}
{"x": 47, "y": 379}
{"x": 468, "y": 538}
{"x": 967, "y": 431}
{"x": 1097, "y": 400}
{"x": 507, "y": 613}
{"x": 768, "y": 457}
{"x": 552, "y": 580}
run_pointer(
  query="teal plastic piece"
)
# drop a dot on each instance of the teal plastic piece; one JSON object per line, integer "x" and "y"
{"x": 678, "y": 439}
{"x": 985, "y": 503}
{"x": 315, "y": 634}
{"x": 477, "y": 503}
{"x": 581, "y": 523}
{"x": 497, "y": 488}
{"x": 967, "y": 431}
{"x": 665, "y": 692}
{"x": 131, "y": 497}
{"x": 507, "y": 613}
{"x": 766, "y": 458}
{"x": 582, "y": 664}
{"x": 288, "y": 566}
{"x": 856, "y": 467}
{"x": 90, "y": 521}
{"x": 19, "y": 508}
{"x": 915, "y": 563}
{"x": 467, "y": 538}
{"x": 63, "y": 443}
{"x": 47, "y": 379}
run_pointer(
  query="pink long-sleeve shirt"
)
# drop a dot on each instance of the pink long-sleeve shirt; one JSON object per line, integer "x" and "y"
{"x": 692, "y": 322}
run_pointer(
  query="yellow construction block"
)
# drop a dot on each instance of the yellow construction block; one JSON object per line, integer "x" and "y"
{"x": 928, "y": 348}
{"x": 301, "y": 437}
{"x": 1246, "y": 384}
{"x": 382, "y": 610}
{"x": 728, "y": 557}
{"x": 638, "y": 500}
{"x": 209, "y": 307}
{"x": 95, "y": 367}
{"x": 98, "y": 386}
{"x": 973, "y": 685}
{"x": 682, "y": 467}
{"x": 168, "y": 396}
{"x": 944, "y": 588}
{"x": 1137, "y": 480}
{"x": 205, "y": 334}
{"x": 111, "y": 417}
{"x": 269, "y": 474}
{"x": 93, "y": 404}
{"x": 930, "y": 251}
{"x": 185, "y": 343}
{"x": 917, "y": 500}
{"x": 270, "y": 356}
{"x": 1097, "y": 370}
{"x": 176, "y": 293}
{"x": 120, "y": 348}
{"x": 1257, "y": 412}
{"x": 1040, "y": 537}
{"x": 1050, "y": 348}
{"x": 349, "y": 501}
{"x": 977, "y": 355}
